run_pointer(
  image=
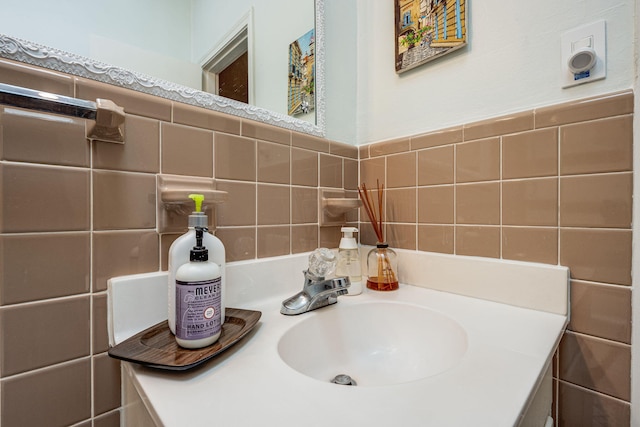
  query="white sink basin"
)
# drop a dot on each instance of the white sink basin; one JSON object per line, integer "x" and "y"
{"x": 376, "y": 344}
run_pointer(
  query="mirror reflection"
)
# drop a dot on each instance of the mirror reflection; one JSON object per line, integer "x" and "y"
{"x": 258, "y": 52}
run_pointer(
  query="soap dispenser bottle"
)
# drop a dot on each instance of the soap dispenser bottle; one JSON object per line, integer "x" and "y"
{"x": 179, "y": 254}
{"x": 198, "y": 298}
{"x": 349, "y": 260}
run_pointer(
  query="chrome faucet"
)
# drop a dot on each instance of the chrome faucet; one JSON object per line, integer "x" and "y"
{"x": 316, "y": 292}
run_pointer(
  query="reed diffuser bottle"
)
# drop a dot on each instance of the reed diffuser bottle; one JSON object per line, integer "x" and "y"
{"x": 382, "y": 262}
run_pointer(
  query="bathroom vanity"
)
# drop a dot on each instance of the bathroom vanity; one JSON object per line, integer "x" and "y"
{"x": 469, "y": 342}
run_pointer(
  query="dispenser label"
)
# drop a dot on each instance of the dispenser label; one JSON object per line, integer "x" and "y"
{"x": 198, "y": 308}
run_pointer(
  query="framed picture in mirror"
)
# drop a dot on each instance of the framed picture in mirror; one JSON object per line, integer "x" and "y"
{"x": 301, "y": 87}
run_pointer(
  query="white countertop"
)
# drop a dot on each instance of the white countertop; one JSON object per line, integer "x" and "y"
{"x": 509, "y": 349}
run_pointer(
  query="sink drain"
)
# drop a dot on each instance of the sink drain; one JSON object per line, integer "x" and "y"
{"x": 343, "y": 379}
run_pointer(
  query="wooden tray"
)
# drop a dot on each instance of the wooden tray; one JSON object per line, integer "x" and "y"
{"x": 156, "y": 346}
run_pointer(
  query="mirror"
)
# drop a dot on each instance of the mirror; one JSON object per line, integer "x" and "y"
{"x": 95, "y": 41}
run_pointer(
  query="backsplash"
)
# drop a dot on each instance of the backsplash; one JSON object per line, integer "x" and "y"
{"x": 551, "y": 185}
{"x": 74, "y": 214}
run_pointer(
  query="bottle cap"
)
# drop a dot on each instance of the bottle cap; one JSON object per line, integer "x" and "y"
{"x": 348, "y": 241}
{"x": 197, "y": 217}
{"x": 199, "y": 252}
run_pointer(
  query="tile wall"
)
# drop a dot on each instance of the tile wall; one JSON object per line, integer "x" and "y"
{"x": 75, "y": 213}
{"x": 551, "y": 185}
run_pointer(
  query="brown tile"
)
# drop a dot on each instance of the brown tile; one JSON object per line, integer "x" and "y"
{"x": 133, "y": 102}
{"x": 304, "y": 167}
{"x": 478, "y": 241}
{"x": 34, "y": 267}
{"x": 119, "y": 253}
{"x": 330, "y": 171}
{"x": 123, "y": 200}
{"x": 352, "y": 215}
{"x": 601, "y": 310}
{"x": 44, "y": 344}
{"x": 100, "y": 341}
{"x": 310, "y": 142}
{"x": 240, "y": 207}
{"x": 62, "y": 197}
{"x": 367, "y": 235}
{"x": 63, "y": 394}
{"x": 436, "y": 238}
{"x": 596, "y": 200}
{"x": 478, "y": 203}
{"x": 598, "y": 146}
{"x": 37, "y": 78}
{"x": 399, "y": 145}
{"x": 530, "y": 244}
{"x": 35, "y": 137}
{"x": 186, "y": 150}
{"x": 512, "y": 123}
{"x": 401, "y": 170}
{"x": 350, "y": 174}
{"x": 401, "y": 236}
{"x": 265, "y": 132}
{"x": 478, "y": 160}
{"x": 235, "y": 157}
{"x": 273, "y": 241}
{"x": 201, "y": 117}
{"x": 530, "y": 202}
{"x": 372, "y": 171}
{"x": 439, "y": 137}
{"x": 596, "y": 364}
{"x": 273, "y": 205}
{"x": 597, "y": 255}
{"x": 304, "y": 238}
{"x": 106, "y": 383}
{"x": 304, "y": 205}
{"x": 435, "y": 205}
{"x": 112, "y": 419}
{"x": 530, "y": 154}
{"x": 330, "y": 237}
{"x": 273, "y": 163}
{"x": 139, "y": 153}
{"x": 585, "y": 408}
{"x": 585, "y": 109}
{"x": 363, "y": 152}
{"x": 344, "y": 150}
{"x": 239, "y": 243}
{"x": 401, "y": 205}
{"x": 435, "y": 166}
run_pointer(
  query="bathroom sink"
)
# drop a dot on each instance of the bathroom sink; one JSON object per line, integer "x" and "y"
{"x": 375, "y": 344}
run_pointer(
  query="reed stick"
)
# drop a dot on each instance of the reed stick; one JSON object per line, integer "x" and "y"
{"x": 376, "y": 216}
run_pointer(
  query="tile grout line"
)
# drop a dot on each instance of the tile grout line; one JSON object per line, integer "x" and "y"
{"x": 91, "y": 278}
{"x": 558, "y": 217}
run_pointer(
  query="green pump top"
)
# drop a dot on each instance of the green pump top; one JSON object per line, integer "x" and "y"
{"x": 197, "y": 217}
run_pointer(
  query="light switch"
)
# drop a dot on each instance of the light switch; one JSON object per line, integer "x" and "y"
{"x": 584, "y": 54}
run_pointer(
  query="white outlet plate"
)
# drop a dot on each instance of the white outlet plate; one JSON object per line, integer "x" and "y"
{"x": 594, "y": 34}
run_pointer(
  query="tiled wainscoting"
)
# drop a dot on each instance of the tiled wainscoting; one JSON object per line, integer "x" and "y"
{"x": 551, "y": 185}
{"x": 75, "y": 213}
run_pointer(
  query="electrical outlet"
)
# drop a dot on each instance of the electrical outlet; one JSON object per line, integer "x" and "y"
{"x": 584, "y": 54}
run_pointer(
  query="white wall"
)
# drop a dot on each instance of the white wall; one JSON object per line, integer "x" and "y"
{"x": 277, "y": 23}
{"x": 110, "y": 32}
{"x": 341, "y": 75}
{"x": 512, "y": 63}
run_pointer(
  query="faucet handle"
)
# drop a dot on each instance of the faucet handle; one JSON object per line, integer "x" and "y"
{"x": 322, "y": 262}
